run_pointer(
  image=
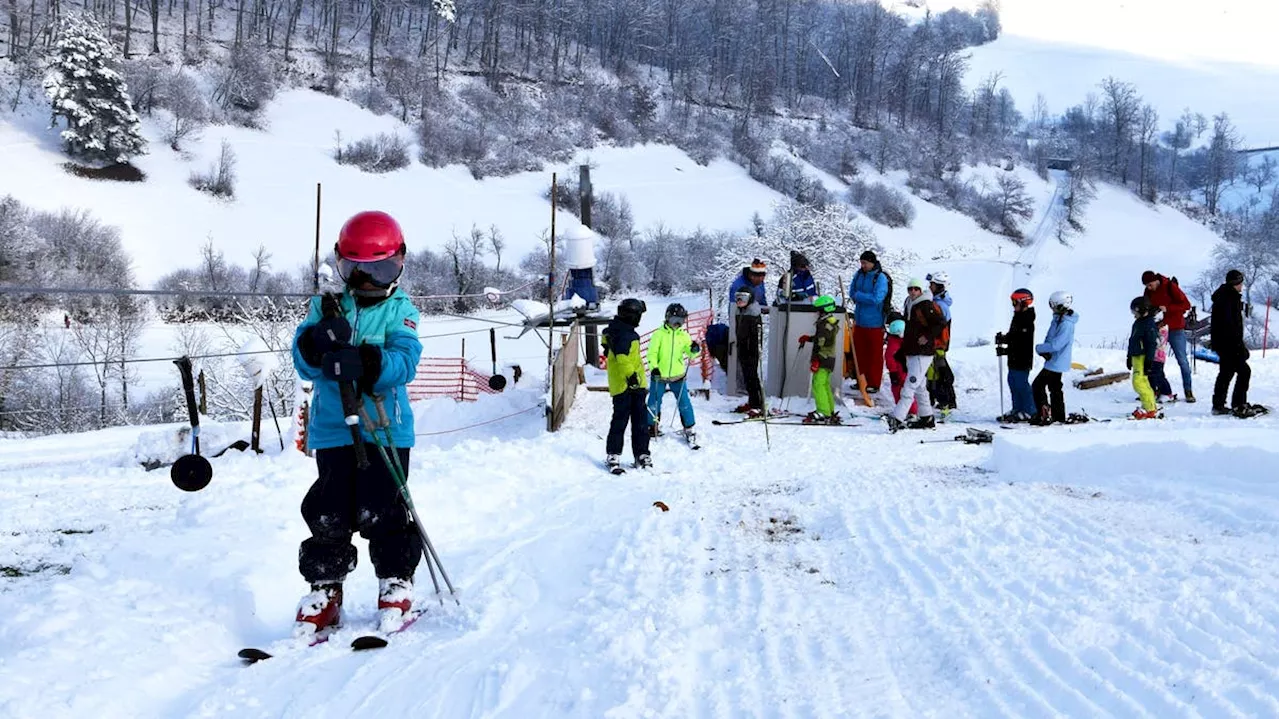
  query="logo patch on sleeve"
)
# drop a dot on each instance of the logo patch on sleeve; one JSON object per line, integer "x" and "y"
{"x": 410, "y": 324}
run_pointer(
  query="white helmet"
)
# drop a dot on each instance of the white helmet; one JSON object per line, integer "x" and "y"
{"x": 938, "y": 278}
{"x": 1060, "y": 301}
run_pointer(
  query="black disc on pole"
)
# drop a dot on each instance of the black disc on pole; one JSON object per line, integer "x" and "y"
{"x": 191, "y": 473}
{"x": 497, "y": 383}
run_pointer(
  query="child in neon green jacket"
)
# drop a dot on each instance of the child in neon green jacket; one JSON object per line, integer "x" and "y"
{"x": 670, "y": 349}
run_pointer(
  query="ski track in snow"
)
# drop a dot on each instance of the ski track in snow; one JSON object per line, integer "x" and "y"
{"x": 837, "y": 572}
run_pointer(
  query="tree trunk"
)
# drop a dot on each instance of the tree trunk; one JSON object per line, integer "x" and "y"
{"x": 155, "y": 27}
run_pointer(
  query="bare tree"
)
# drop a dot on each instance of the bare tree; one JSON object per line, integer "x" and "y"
{"x": 496, "y": 244}
{"x": 190, "y": 111}
{"x": 1261, "y": 173}
{"x": 1177, "y": 140}
{"x": 1120, "y": 108}
{"x": 1148, "y": 128}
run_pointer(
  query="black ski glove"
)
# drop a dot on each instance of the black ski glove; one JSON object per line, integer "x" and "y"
{"x": 325, "y": 336}
{"x": 633, "y": 381}
{"x": 342, "y": 364}
{"x": 694, "y": 347}
{"x": 371, "y": 363}
{"x": 655, "y": 373}
{"x": 1128, "y": 363}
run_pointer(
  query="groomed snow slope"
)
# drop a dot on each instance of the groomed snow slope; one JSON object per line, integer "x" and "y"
{"x": 1107, "y": 569}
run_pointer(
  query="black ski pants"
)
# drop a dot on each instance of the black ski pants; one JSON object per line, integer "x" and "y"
{"x": 749, "y": 366}
{"x": 630, "y": 406}
{"x": 1229, "y": 366}
{"x": 345, "y": 500}
{"x": 1048, "y": 393}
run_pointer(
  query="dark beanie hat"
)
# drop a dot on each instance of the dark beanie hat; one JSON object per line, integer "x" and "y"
{"x": 1149, "y": 276}
{"x": 868, "y": 256}
{"x": 1235, "y": 277}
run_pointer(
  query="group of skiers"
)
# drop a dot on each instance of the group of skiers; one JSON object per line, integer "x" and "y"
{"x": 368, "y": 342}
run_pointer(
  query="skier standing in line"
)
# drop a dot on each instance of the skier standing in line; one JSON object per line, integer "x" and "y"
{"x": 924, "y": 325}
{"x": 374, "y": 343}
{"x": 627, "y": 386}
{"x": 1226, "y": 334}
{"x": 1141, "y": 358}
{"x": 822, "y": 361}
{"x": 941, "y": 380}
{"x": 1017, "y": 344}
{"x": 1056, "y": 351}
{"x": 670, "y": 349}
{"x": 868, "y": 290}
{"x": 1163, "y": 292}
{"x": 897, "y": 372}
{"x": 1159, "y": 382}
{"x": 752, "y": 280}
{"x": 748, "y": 329}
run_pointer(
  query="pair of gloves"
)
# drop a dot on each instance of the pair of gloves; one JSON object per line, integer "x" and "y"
{"x": 328, "y": 346}
{"x": 813, "y": 366}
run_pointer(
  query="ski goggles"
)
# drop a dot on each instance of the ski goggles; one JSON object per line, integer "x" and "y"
{"x": 675, "y": 320}
{"x": 381, "y": 273}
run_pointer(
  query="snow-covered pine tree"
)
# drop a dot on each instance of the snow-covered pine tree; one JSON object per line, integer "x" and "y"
{"x": 91, "y": 96}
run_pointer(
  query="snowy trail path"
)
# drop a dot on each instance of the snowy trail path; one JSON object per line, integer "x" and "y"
{"x": 839, "y": 572}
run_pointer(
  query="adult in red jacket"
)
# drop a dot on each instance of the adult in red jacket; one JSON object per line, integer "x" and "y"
{"x": 1164, "y": 293}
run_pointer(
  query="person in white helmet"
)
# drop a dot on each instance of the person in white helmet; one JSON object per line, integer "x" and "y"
{"x": 1056, "y": 351}
{"x": 941, "y": 381}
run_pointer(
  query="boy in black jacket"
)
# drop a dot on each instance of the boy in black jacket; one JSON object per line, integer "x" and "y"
{"x": 1226, "y": 334}
{"x": 1018, "y": 345}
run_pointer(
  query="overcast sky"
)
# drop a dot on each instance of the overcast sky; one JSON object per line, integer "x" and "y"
{"x": 1230, "y": 30}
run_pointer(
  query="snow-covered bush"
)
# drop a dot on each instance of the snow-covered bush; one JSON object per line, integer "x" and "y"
{"x": 384, "y": 152}
{"x": 91, "y": 96}
{"x": 220, "y": 179}
{"x": 881, "y": 203}
{"x": 186, "y": 103}
{"x": 245, "y": 83}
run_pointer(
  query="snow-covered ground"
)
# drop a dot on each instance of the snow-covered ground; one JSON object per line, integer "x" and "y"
{"x": 1107, "y": 569}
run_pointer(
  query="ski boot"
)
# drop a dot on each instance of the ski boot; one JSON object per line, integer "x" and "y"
{"x": 744, "y": 408}
{"x": 753, "y": 413}
{"x": 815, "y": 417}
{"x": 1222, "y": 411}
{"x": 922, "y": 423}
{"x": 614, "y": 463}
{"x": 395, "y": 600}
{"x": 1188, "y": 397}
{"x": 1166, "y": 399}
{"x": 894, "y": 423}
{"x": 1145, "y": 414}
{"x": 319, "y": 611}
{"x": 644, "y": 461}
{"x": 1245, "y": 411}
{"x": 1014, "y": 418}
{"x": 691, "y": 436}
{"x": 1044, "y": 419}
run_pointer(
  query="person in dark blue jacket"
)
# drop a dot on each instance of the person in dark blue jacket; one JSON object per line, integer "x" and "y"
{"x": 373, "y": 342}
{"x": 1143, "y": 340}
{"x": 867, "y": 291}
{"x": 803, "y": 286}
{"x": 752, "y": 280}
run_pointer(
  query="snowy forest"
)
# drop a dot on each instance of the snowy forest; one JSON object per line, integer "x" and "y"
{"x": 505, "y": 86}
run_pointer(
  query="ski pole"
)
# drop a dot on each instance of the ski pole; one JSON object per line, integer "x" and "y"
{"x": 1000, "y": 377}
{"x": 402, "y": 480}
{"x": 331, "y": 307}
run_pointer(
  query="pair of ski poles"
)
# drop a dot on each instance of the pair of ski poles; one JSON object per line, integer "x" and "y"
{"x": 381, "y": 433}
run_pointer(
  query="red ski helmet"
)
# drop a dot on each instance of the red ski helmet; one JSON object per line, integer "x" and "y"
{"x": 369, "y": 236}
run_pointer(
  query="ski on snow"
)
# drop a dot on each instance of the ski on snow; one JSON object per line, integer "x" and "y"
{"x": 362, "y": 642}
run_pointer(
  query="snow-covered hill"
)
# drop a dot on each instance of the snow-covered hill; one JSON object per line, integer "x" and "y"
{"x": 279, "y": 166}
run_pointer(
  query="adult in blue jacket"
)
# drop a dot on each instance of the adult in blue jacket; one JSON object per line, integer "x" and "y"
{"x": 1056, "y": 351}
{"x": 867, "y": 291}
{"x": 752, "y": 280}
{"x": 374, "y": 343}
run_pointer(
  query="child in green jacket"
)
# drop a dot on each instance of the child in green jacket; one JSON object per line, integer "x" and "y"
{"x": 627, "y": 385}
{"x": 670, "y": 349}
{"x": 822, "y": 361}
